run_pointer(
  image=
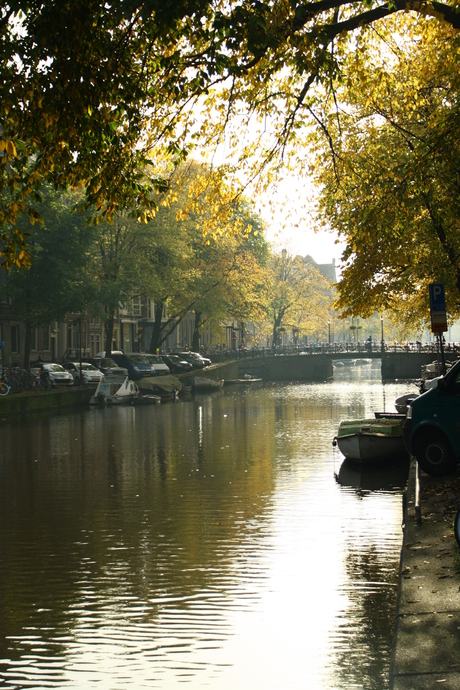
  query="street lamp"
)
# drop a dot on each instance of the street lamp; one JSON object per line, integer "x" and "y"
{"x": 382, "y": 345}
{"x": 352, "y": 329}
{"x": 329, "y": 325}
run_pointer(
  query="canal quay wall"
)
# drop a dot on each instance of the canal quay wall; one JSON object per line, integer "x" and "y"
{"x": 28, "y": 402}
{"x": 426, "y": 642}
{"x": 404, "y": 365}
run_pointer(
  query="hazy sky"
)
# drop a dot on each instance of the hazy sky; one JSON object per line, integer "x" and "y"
{"x": 289, "y": 214}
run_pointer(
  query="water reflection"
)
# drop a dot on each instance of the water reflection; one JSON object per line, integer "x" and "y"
{"x": 205, "y": 543}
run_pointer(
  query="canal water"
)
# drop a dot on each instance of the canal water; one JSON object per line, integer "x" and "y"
{"x": 213, "y": 543}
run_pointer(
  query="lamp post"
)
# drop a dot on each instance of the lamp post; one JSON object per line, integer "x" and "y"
{"x": 329, "y": 335}
{"x": 382, "y": 344}
{"x": 352, "y": 329}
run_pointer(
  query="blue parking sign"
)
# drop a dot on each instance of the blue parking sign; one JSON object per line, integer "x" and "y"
{"x": 438, "y": 308}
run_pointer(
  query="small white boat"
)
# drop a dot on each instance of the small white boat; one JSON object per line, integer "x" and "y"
{"x": 403, "y": 402}
{"x": 370, "y": 440}
{"x": 245, "y": 380}
{"x": 200, "y": 383}
{"x": 114, "y": 390}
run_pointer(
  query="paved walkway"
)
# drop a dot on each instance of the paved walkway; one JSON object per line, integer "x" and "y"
{"x": 426, "y": 644}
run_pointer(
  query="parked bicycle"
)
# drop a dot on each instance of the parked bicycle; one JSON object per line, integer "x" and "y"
{"x": 4, "y": 388}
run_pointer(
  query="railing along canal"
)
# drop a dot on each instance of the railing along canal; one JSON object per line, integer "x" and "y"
{"x": 346, "y": 349}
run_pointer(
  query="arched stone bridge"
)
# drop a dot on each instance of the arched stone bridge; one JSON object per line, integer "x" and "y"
{"x": 318, "y": 366}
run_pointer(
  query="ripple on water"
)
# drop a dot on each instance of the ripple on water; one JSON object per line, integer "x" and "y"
{"x": 207, "y": 543}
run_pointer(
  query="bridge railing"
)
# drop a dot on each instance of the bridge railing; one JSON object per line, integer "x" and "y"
{"x": 374, "y": 347}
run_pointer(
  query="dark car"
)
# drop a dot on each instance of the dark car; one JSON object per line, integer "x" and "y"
{"x": 107, "y": 365}
{"x": 196, "y": 360}
{"x": 176, "y": 364}
{"x": 137, "y": 365}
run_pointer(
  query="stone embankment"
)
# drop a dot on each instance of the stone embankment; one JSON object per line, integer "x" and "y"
{"x": 24, "y": 403}
{"x": 426, "y": 643}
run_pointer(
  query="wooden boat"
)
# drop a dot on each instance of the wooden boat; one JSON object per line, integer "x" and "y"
{"x": 370, "y": 440}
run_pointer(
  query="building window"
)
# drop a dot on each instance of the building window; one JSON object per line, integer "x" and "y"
{"x": 137, "y": 309}
{"x": 15, "y": 339}
{"x": 94, "y": 343}
{"x": 95, "y": 320}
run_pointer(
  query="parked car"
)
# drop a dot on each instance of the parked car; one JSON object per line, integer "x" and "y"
{"x": 159, "y": 366}
{"x": 431, "y": 430}
{"x": 89, "y": 373}
{"x": 176, "y": 364}
{"x": 196, "y": 360}
{"x": 57, "y": 375}
{"x": 107, "y": 365}
{"x": 137, "y": 365}
{"x": 101, "y": 355}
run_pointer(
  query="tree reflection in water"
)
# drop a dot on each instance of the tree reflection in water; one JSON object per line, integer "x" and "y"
{"x": 146, "y": 546}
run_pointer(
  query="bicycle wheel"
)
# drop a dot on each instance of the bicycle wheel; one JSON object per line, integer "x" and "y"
{"x": 4, "y": 389}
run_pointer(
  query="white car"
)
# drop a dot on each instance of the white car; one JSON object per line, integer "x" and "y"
{"x": 89, "y": 374}
{"x": 58, "y": 376}
{"x": 158, "y": 365}
{"x": 101, "y": 355}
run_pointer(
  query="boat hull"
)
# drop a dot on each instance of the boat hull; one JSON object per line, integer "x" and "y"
{"x": 369, "y": 441}
{"x": 371, "y": 447}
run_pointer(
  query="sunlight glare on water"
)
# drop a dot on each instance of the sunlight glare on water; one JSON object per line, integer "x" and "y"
{"x": 216, "y": 543}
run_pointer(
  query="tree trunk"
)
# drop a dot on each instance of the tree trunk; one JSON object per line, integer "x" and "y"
{"x": 156, "y": 333}
{"x": 196, "y": 332}
{"x": 276, "y": 325}
{"x": 108, "y": 335}
{"x": 243, "y": 333}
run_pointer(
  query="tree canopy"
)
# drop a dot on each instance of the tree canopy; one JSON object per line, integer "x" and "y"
{"x": 96, "y": 93}
{"x": 389, "y": 170}
{"x": 299, "y": 298}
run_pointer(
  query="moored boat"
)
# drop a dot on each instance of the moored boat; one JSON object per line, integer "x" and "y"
{"x": 403, "y": 402}
{"x": 201, "y": 383}
{"x": 165, "y": 387}
{"x": 370, "y": 440}
{"x": 245, "y": 380}
{"x": 114, "y": 390}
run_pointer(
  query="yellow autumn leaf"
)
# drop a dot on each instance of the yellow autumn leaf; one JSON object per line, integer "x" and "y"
{"x": 11, "y": 149}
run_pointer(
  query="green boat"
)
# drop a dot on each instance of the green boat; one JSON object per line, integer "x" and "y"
{"x": 369, "y": 440}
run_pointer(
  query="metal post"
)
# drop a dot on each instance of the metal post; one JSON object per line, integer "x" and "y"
{"x": 418, "y": 506}
{"x": 81, "y": 376}
{"x": 443, "y": 360}
{"x": 53, "y": 344}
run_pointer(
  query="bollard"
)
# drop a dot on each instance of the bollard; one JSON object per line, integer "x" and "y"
{"x": 418, "y": 507}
